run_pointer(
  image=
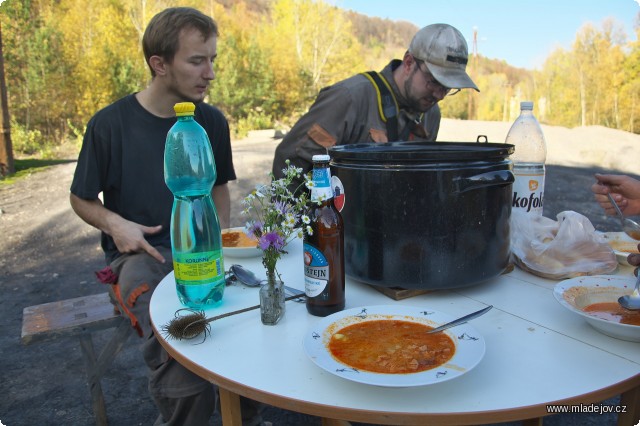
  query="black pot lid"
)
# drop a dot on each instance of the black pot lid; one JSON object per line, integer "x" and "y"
{"x": 421, "y": 151}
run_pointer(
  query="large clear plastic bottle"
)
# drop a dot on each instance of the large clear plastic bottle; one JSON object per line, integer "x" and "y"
{"x": 196, "y": 241}
{"x": 528, "y": 161}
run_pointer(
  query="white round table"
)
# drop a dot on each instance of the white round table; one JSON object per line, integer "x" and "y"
{"x": 537, "y": 354}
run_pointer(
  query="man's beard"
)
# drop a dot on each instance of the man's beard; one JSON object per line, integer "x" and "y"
{"x": 413, "y": 102}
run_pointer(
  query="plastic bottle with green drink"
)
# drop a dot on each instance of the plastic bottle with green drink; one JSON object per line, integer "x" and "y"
{"x": 196, "y": 241}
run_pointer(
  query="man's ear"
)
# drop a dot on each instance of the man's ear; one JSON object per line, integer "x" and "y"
{"x": 157, "y": 63}
{"x": 408, "y": 60}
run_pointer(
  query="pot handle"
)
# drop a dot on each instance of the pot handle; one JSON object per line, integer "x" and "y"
{"x": 494, "y": 178}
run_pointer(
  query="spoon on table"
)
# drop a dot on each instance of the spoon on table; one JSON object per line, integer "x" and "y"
{"x": 631, "y": 302}
{"x": 461, "y": 320}
{"x": 248, "y": 278}
{"x": 630, "y": 227}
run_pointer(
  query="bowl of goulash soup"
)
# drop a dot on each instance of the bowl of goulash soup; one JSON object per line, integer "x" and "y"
{"x": 236, "y": 243}
{"x": 595, "y": 299}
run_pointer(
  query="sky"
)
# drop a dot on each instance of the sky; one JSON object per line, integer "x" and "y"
{"x": 522, "y": 32}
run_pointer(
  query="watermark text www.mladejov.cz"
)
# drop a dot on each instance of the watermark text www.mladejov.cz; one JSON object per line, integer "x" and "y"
{"x": 587, "y": 408}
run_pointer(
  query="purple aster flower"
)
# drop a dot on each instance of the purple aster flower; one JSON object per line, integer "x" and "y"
{"x": 281, "y": 207}
{"x": 271, "y": 239}
{"x": 254, "y": 229}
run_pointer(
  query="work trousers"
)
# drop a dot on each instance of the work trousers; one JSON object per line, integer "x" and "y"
{"x": 182, "y": 397}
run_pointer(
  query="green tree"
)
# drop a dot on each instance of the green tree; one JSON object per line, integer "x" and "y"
{"x": 65, "y": 59}
{"x": 35, "y": 72}
{"x": 598, "y": 58}
{"x": 104, "y": 56}
{"x": 244, "y": 84}
{"x": 557, "y": 86}
{"x": 315, "y": 42}
{"x": 495, "y": 99}
{"x": 6, "y": 147}
{"x": 630, "y": 89}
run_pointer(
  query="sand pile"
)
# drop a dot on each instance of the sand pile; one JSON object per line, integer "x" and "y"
{"x": 590, "y": 146}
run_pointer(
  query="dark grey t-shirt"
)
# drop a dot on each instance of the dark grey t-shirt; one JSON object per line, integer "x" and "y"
{"x": 122, "y": 156}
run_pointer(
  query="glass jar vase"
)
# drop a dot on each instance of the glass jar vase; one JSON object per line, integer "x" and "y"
{"x": 272, "y": 301}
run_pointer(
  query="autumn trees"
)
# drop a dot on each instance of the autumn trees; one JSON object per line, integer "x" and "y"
{"x": 65, "y": 59}
{"x": 597, "y": 82}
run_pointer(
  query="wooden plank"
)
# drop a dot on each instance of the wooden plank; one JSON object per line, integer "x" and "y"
{"x": 399, "y": 293}
{"x": 80, "y": 317}
{"x": 68, "y": 318}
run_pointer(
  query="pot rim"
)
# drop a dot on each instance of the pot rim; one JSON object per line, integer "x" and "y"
{"x": 417, "y": 151}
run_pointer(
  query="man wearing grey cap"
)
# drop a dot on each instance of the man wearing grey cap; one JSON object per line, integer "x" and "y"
{"x": 398, "y": 104}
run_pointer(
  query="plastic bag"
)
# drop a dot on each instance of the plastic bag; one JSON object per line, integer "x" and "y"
{"x": 567, "y": 248}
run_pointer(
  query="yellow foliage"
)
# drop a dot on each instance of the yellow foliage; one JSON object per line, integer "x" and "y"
{"x": 310, "y": 42}
{"x": 96, "y": 49}
{"x": 275, "y": 55}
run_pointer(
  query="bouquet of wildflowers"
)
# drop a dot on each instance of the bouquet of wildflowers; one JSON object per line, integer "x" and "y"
{"x": 276, "y": 214}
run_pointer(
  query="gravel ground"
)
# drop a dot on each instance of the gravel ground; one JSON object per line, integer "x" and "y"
{"x": 49, "y": 254}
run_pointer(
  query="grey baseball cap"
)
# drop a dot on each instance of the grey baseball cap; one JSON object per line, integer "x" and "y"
{"x": 444, "y": 50}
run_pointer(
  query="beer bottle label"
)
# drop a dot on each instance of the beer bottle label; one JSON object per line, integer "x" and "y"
{"x": 316, "y": 271}
{"x": 321, "y": 189}
{"x": 193, "y": 268}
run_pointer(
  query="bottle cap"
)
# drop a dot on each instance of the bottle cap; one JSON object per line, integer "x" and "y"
{"x": 320, "y": 158}
{"x": 526, "y": 105}
{"x": 184, "y": 108}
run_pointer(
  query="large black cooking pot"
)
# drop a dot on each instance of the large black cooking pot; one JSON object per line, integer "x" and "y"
{"x": 425, "y": 215}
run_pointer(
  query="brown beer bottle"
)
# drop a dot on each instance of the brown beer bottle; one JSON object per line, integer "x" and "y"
{"x": 324, "y": 249}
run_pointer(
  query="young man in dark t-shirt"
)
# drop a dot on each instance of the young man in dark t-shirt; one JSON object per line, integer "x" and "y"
{"x": 122, "y": 158}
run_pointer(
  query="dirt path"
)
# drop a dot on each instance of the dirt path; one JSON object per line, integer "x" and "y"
{"x": 48, "y": 254}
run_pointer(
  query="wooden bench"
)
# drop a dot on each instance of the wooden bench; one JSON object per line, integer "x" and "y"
{"x": 80, "y": 317}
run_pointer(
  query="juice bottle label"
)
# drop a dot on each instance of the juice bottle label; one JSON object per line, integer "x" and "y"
{"x": 316, "y": 271}
{"x": 194, "y": 268}
{"x": 528, "y": 192}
